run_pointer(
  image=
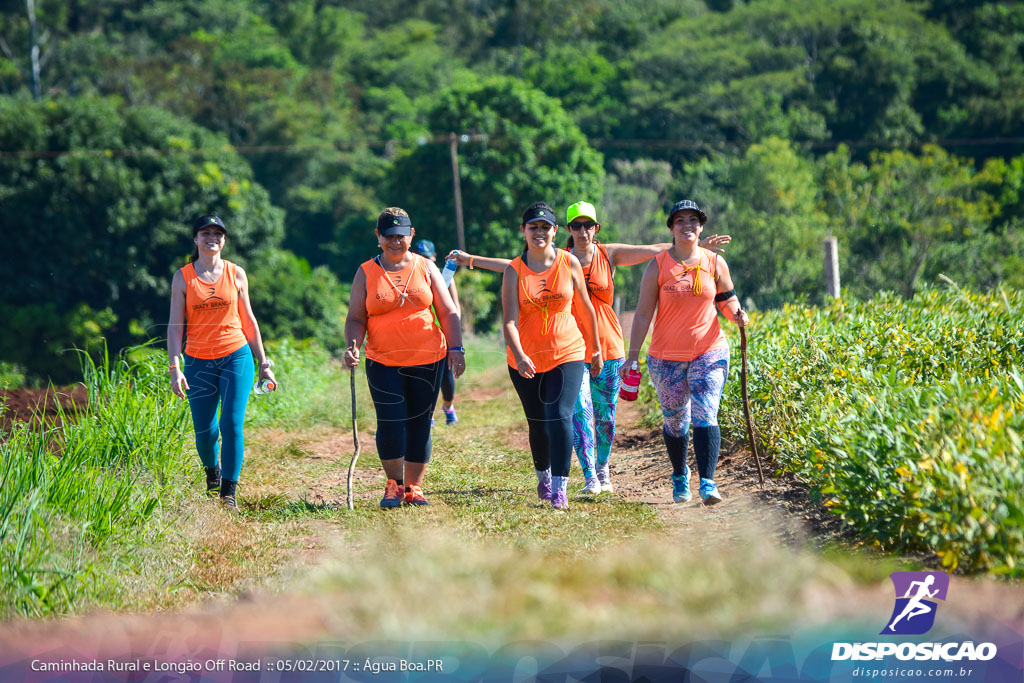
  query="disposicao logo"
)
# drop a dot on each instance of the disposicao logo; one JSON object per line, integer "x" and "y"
{"x": 915, "y": 608}
{"x": 913, "y": 614}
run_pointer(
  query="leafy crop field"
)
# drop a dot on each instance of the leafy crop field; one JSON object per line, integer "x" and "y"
{"x": 904, "y": 417}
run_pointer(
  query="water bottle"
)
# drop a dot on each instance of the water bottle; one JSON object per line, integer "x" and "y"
{"x": 630, "y": 387}
{"x": 448, "y": 272}
{"x": 264, "y": 386}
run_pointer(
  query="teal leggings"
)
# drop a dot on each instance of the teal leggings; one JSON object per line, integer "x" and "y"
{"x": 224, "y": 383}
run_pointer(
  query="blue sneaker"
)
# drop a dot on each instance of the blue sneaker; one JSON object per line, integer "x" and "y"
{"x": 449, "y": 417}
{"x": 681, "y": 486}
{"x": 709, "y": 492}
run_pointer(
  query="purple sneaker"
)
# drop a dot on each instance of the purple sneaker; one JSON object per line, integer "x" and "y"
{"x": 544, "y": 484}
{"x": 559, "y": 497}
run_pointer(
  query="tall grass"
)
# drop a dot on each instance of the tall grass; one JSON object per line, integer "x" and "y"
{"x": 75, "y": 485}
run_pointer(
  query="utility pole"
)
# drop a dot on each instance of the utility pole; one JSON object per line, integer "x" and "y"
{"x": 453, "y": 141}
{"x": 37, "y": 92}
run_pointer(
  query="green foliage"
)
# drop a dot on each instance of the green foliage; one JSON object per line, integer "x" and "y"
{"x": 76, "y": 490}
{"x": 896, "y": 214}
{"x": 904, "y": 416}
{"x": 101, "y": 234}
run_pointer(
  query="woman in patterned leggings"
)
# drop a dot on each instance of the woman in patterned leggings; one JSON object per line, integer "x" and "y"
{"x": 689, "y": 355}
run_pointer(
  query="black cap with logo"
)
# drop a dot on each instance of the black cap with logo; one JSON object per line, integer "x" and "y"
{"x": 539, "y": 212}
{"x": 208, "y": 220}
{"x": 388, "y": 225}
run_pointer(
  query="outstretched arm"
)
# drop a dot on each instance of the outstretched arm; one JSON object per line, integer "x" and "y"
{"x": 498, "y": 265}
{"x": 642, "y": 316}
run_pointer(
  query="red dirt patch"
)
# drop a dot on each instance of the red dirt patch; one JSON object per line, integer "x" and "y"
{"x": 25, "y": 404}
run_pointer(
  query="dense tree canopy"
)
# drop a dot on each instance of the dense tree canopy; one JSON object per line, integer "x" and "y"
{"x": 787, "y": 118}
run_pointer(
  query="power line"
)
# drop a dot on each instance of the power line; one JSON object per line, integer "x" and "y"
{"x": 604, "y": 143}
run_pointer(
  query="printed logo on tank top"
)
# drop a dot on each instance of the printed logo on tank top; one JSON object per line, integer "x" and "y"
{"x": 212, "y": 302}
{"x": 545, "y": 295}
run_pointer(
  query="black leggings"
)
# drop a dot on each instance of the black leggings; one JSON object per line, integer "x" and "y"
{"x": 404, "y": 399}
{"x": 548, "y": 400}
{"x": 448, "y": 384}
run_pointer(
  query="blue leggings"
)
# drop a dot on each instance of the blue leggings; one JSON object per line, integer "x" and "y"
{"x": 224, "y": 383}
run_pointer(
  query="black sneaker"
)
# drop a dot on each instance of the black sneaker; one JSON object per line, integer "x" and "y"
{"x": 227, "y": 494}
{"x": 212, "y": 481}
{"x": 229, "y": 502}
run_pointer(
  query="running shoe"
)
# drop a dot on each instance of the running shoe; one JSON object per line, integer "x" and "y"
{"x": 593, "y": 486}
{"x": 544, "y": 484}
{"x": 604, "y": 477}
{"x": 709, "y": 492}
{"x": 229, "y": 502}
{"x": 681, "y": 485}
{"x": 559, "y": 496}
{"x": 450, "y": 418}
{"x": 414, "y": 495}
{"x": 212, "y": 481}
{"x": 393, "y": 495}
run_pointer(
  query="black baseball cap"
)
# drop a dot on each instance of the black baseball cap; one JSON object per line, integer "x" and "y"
{"x": 539, "y": 212}
{"x": 205, "y": 221}
{"x": 389, "y": 224}
{"x": 683, "y": 205}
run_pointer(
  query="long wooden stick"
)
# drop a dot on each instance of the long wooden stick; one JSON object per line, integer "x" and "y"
{"x": 746, "y": 403}
{"x": 355, "y": 436}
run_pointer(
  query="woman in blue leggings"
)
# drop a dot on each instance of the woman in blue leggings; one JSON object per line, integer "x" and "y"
{"x": 210, "y": 308}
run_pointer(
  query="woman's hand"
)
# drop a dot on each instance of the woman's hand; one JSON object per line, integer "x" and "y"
{"x": 179, "y": 385}
{"x": 625, "y": 367}
{"x": 596, "y": 363}
{"x": 525, "y": 367}
{"x": 457, "y": 362}
{"x": 741, "y": 318}
{"x": 460, "y": 257}
{"x": 713, "y": 242}
{"x": 351, "y": 356}
{"x": 267, "y": 373}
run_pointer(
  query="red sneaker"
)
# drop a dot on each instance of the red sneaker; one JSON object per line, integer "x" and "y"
{"x": 414, "y": 495}
{"x": 392, "y": 495}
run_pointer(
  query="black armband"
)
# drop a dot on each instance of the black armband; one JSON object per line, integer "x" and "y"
{"x": 725, "y": 296}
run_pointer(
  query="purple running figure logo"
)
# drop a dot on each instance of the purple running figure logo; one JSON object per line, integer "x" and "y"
{"x": 916, "y": 596}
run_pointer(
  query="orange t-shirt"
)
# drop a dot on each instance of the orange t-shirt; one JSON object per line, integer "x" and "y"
{"x": 212, "y": 316}
{"x": 601, "y": 289}
{"x": 686, "y": 325}
{"x": 400, "y": 329}
{"x": 547, "y": 331}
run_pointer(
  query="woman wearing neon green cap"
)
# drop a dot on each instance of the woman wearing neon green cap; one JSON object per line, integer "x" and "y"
{"x": 594, "y": 416}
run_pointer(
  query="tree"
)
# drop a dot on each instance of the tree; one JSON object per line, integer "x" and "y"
{"x": 101, "y": 199}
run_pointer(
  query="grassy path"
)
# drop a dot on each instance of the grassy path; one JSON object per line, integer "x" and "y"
{"x": 486, "y": 561}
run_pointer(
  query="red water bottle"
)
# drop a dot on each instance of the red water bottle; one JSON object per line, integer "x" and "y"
{"x": 630, "y": 387}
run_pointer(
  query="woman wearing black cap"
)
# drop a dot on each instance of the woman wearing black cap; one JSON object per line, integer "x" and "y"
{"x": 425, "y": 248}
{"x": 688, "y": 359}
{"x": 546, "y": 352}
{"x": 392, "y": 295}
{"x": 210, "y": 305}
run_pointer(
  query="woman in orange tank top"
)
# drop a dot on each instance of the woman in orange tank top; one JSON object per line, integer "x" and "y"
{"x": 546, "y": 352}
{"x": 406, "y": 352}
{"x": 689, "y": 357}
{"x": 593, "y": 420}
{"x": 210, "y": 307}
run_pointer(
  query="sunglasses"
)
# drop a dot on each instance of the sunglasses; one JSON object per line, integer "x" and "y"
{"x": 582, "y": 226}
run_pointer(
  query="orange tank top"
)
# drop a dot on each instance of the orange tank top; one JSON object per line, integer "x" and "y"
{"x": 601, "y": 289}
{"x": 686, "y": 325}
{"x": 547, "y": 330}
{"x": 400, "y": 325}
{"x": 213, "y": 321}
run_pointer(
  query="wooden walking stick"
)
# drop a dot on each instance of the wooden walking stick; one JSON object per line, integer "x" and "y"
{"x": 355, "y": 435}
{"x": 746, "y": 402}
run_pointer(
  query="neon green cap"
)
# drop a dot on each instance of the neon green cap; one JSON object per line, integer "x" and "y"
{"x": 578, "y": 209}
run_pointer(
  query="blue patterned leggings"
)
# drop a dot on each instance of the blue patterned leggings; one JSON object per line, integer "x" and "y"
{"x": 593, "y": 420}
{"x": 690, "y": 391}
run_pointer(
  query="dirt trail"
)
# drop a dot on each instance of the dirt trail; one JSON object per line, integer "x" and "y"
{"x": 780, "y": 510}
